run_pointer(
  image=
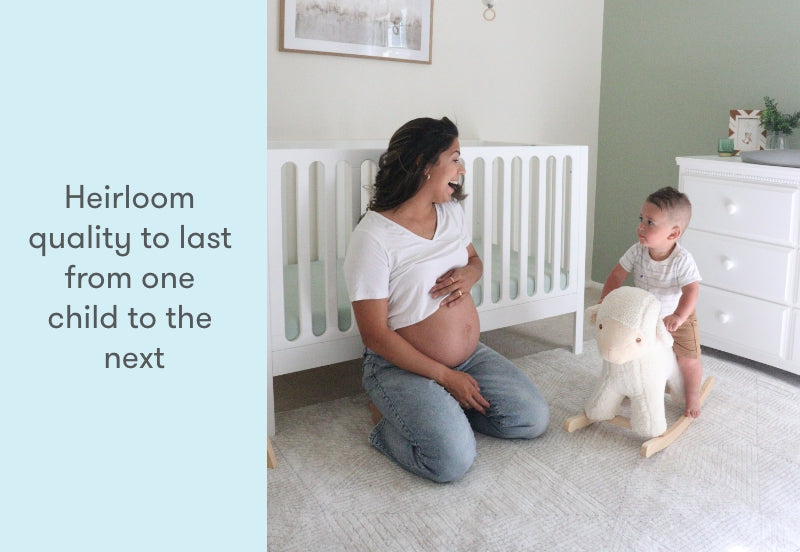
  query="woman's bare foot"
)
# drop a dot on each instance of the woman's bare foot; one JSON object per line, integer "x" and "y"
{"x": 374, "y": 413}
{"x": 692, "y": 404}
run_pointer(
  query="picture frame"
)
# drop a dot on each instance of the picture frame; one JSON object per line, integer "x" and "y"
{"x": 744, "y": 128}
{"x": 359, "y": 28}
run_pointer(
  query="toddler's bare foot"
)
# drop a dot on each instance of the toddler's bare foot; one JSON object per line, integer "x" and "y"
{"x": 374, "y": 413}
{"x": 692, "y": 404}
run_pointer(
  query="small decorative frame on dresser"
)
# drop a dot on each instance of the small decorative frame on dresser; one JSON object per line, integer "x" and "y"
{"x": 744, "y": 127}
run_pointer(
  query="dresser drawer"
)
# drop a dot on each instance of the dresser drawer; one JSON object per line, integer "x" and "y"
{"x": 755, "y": 211}
{"x": 752, "y": 268}
{"x": 757, "y": 324}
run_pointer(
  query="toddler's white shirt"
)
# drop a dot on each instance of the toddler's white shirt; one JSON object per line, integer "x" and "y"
{"x": 386, "y": 260}
{"x": 664, "y": 279}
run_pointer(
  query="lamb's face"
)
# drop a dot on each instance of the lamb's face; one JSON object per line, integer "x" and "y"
{"x": 618, "y": 343}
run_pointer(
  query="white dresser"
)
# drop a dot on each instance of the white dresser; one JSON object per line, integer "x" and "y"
{"x": 744, "y": 236}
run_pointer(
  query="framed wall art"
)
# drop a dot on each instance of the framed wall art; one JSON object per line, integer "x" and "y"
{"x": 744, "y": 128}
{"x": 399, "y": 30}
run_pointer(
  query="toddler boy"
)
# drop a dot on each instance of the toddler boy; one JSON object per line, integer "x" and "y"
{"x": 661, "y": 266}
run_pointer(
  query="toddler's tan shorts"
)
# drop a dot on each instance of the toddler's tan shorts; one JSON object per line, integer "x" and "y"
{"x": 687, "y": 338}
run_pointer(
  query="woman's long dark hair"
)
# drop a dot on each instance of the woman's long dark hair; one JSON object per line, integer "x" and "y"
{"x": 413, "y": 147}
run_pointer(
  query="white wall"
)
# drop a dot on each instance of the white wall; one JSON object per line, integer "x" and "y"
{"x": 532, "y": 75}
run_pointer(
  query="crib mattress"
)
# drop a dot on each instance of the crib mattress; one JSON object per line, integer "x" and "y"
{"x": 344, "y": 316}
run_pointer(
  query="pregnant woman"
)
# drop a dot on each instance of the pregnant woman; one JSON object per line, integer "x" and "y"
{"x": 409, "y": 269}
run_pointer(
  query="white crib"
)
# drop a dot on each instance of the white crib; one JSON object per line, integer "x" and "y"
{"x": 526, "y": 207}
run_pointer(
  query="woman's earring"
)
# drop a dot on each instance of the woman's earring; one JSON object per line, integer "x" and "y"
{"x": 428, "y": 176}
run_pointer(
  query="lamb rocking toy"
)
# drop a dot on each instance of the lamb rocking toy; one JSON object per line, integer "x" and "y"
{"x": 638, "y": 363}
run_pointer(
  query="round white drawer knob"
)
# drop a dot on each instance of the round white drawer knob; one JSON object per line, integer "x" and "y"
{"x": 724, "y": 317}
{"x": 728, "y": 264}
{"x": 731, "y": 207}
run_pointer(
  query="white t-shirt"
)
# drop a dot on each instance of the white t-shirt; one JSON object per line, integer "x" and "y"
{"x": 386, "y": 260}
{"x": 664, "y": 279}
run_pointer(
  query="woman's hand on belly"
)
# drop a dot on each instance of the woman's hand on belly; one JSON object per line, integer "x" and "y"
{"x": 456, "y": 283}
{"x": 451, "y": 288}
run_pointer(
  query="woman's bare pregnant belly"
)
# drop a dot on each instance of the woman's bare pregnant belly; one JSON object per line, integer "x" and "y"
{"x": 449, "y": 335}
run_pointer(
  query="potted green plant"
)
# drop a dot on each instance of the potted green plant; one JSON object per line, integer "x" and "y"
{"x": 778, "y": 125}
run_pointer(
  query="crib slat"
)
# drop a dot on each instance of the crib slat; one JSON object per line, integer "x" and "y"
{"x": 558, "y": 216}
{"x": 304, "y": 248}
{"x": 276, "y": 248}
{"x": 541, "y": 225}
{"x": 488, "y": 227}
{"x": 524, "y": 224}
{"x": 469, "y": 202}
{"x": 330, "y": 215}
{"x": 505, "y": 235}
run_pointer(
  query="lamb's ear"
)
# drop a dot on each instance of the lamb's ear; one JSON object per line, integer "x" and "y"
{"x": 592, "y": 311}
{"x": 662, "y": 334}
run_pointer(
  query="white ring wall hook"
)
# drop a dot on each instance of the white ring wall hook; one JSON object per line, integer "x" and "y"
{"x": 488, "y": 13}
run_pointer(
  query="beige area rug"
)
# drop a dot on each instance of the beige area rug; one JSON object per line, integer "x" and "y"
{"x": 731, "y": 483}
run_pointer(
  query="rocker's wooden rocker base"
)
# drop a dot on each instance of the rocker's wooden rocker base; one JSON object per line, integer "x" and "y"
{"x": 656, "y": 444}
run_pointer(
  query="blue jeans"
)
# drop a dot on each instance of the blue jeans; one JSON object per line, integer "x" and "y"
{"x": 426, "y": 431}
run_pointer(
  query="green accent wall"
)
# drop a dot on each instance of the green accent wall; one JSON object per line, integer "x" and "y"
{"x": 671, "y": 72}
